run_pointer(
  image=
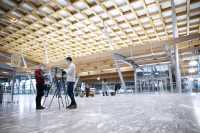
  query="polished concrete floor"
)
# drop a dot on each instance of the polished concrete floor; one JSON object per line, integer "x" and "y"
{"x": 142, "y": 113}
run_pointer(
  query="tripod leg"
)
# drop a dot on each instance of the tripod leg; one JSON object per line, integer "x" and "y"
{"x": 58, "y": 103}
{"x": 66, "y": 100}
{"x": 44, "y": 100}
{"x": 52, "y": 98}
{"x": 62, "y": 101}
{"x": 47, "y": 94}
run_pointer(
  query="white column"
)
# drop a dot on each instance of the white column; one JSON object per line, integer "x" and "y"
{"x": 176, "y": 55}
{"x": 13, "y": 86}
{"x": 135, "y": 79}
{"x": 170, "y": 78}
{"x": 178, "y": 73}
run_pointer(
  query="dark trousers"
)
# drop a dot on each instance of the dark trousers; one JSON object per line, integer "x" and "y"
{"x": 87, "y": 91}
{"x": 105, "y": 93}
{"x": 40, "y": 92}
{"x": 70, "y": 92}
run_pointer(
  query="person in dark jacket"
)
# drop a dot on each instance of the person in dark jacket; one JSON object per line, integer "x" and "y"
{"x": 40, "y": 86}
{"x": 117, "y": 87}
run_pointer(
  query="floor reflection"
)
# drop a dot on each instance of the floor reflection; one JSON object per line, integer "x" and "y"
{"x": 141, "y": 113}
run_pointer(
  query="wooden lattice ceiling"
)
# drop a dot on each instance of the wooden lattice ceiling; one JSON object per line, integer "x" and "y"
{"x": 85, "y": 27}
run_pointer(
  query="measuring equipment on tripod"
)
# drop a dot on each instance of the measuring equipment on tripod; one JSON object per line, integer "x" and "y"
{"x": 58, "y": 83}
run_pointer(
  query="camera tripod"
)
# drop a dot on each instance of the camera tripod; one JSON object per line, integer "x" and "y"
{"x": 58, "y": 83}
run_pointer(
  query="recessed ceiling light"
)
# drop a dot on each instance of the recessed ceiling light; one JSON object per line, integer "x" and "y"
{"x": 62, "y": 2}
{"x": 13, "y": 20}
{"x": 81, "y": 5}
{"x": 98, "y": 78}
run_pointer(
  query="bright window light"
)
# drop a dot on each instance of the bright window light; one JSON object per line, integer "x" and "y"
{"x": 193, "y": 63}
{"x": 192, "y": 70}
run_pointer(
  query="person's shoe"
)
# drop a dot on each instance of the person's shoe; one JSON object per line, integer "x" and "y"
{"x": 74, "y": 106}
{"x": 40, "y": 108}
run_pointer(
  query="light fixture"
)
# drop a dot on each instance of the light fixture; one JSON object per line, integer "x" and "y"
{"x": 193, "y": 63}
{"x": 62, "y": 2}
{"x": 5, "y": 72}
{"x": 13, "y": 20}
{"x": 98, "y": 78}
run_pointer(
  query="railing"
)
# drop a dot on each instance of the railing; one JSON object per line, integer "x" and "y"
{"x": 142, "y": 87}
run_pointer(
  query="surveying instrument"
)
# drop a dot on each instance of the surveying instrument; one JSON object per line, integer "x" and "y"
{"x": 59, "y": 83}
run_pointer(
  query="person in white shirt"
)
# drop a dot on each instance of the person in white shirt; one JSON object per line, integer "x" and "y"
{"x": 105, "y": 89}
{"x": 83, "y": 87}
{"x": 71, "y": 77}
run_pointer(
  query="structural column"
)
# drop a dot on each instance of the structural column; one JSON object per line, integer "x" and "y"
{"x": 13, "y": 86}
{"x": 176, "y": 55}
{"x": 177, "y": 68}
{"x": 135, "y": 80}
{"x": 170, "y": 78}
{"x": 198, "y": 64}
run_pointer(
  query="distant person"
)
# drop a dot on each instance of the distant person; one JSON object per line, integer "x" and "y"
{"x": 82, "y": 89}
{"x": 40, "y": 86}
{"x": 71, "y": 77}
{"x": 87, "y": 90}
{"x": 117, "y": 87}
{"x": 105, "y": 88}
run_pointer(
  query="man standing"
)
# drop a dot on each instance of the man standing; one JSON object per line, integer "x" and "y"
{"x": 39, "y": 86}
{"x": 71, "y": 77}
{"x": 105, "y": 87}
